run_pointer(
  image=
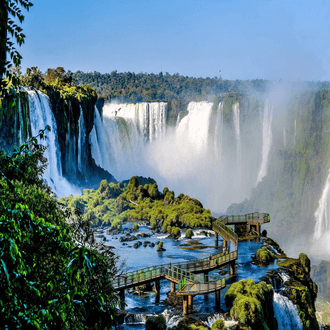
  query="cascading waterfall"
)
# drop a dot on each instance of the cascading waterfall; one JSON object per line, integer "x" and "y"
{"x": 295, "y": 131}
{"x": 218, "y": 131}
{"x": 284, "y": 137}
{"x": 81, "y": 138}
{"x": 40, "y": 117}
{"x": 266, "y": 139}
{"x": 322, "y": 220}
{"x": 132, "y": 139}
{"x": 286, "y": 313}
{"x": 237, "y": 130}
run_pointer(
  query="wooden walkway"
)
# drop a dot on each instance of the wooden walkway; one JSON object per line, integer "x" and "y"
{"x": 184, "y": 274}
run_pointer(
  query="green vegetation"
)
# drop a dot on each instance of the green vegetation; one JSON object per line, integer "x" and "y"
{"x": 264, "y": 255}
{"x": 51, "y": 273}
{"x": 135, "y": 226}
{"x": 160, "y": 246}
{"x": 114, "y": 203}
{"x": 10, "y": 13}
{"x": 143, "y": 87}
{"x": 251, "y": 305}
{"x": 157, "y": 323}
{"x": 189, "y": 233}
{"x": 219, "y": 325}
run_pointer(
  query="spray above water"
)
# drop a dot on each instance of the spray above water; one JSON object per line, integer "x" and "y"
{"x": 266, "y": 139}
{"x": 199, "y": 156}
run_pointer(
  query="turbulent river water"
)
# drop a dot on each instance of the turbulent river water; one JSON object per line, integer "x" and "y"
{"x": 142, "y": 257}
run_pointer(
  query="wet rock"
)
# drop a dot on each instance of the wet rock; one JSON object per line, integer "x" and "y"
{"x": 173, "y": 299}
{"x": 152, "y": 244}
{"x": 137, "y": 244}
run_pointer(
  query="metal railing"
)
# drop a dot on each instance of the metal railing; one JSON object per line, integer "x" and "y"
{"x": 204, "y": 287}
{"x": 179, "y": 274}
{"x": 250, "y": 217}
{"x": 224, "y": 231}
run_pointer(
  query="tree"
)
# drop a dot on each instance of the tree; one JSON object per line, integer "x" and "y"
{"x": 52, "y": 275}
{"x": 9, "y": 11}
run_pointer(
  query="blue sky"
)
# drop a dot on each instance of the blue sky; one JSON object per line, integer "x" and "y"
{"x": 244, "y": 39}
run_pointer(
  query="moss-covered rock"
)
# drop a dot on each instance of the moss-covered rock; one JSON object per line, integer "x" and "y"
{"x": 264, "y": 256}
{"x": 252, "y": 305}
{"x": 300, "y": 289}
{"x": 157, "y": 323}
{"x": 219, "y": 325}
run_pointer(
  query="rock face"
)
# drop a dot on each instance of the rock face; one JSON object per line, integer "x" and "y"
{"x": 321, "y": 275}
{"x": 75, "y": 120}
{"x": 300, "y": 289}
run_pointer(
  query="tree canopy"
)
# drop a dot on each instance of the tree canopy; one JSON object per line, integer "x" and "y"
{"x": 10, "y": 12}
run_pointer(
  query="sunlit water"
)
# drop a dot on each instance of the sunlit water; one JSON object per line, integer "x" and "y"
{"x": 143, "y": 257}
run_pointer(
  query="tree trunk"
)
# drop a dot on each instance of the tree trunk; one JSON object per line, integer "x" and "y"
{"x": 3, "y": 36}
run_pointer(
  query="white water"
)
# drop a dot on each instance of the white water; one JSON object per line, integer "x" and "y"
{"x": 286, "y": 313}
{"x": 81, "y": 139}
{"x": 211, "y": 319}
{"x": 218, "y": 139}
{"x": 190, "y": 158}
{"x": 266, "y": 140}
{"x": 238, "y": 131}
{"x": 172, "y": 320}
{"x": 321, "y": 235}
{"x": 41, "y": 116}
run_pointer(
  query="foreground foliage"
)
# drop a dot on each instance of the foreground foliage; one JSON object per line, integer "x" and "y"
{"x": 51, "y": 273}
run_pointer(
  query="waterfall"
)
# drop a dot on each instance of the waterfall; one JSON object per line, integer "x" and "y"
{"x": 218, "y": 131}
{"x": 284, "y": 137}
{"x": 322, "y": 214}
{"x": 81, "y": 139}
{"x": 172, "y": 320}
{"x": 237, "y": 130}
{"x": 193, "y": 129}
{"x": 132, "y": 139}
{"x": 286, "y": 313}
{"x": 41, "y": 116}
{"x": 295, "y": 131}
{"x": 266, "y": 140}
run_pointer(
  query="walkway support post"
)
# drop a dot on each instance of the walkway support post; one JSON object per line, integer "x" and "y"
{"x": 157, "y": 287}
{"x": 217, "y": 300}
{"x": 190, "y": 303}
{"x": 172, "y": 286}
{"x": 185, "y": 305}
{"x": 232, "y": 268}
{"x": 216, "y": 240}
{"x": 224, "y": 244}
{"x": 122, "y": 295}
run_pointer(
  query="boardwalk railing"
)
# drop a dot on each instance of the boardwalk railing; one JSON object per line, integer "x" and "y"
{"x": 179, "y": 274}
{"x": 200, "y": 288}
{"x": 157, "y": 272}
{"x": 250, "y": 217}
{"x": 224, "y": 231}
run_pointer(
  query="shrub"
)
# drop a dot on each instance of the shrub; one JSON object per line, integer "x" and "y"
{"x": 176, "y": 232}
{"x": 189, "y": 233}
{"x": 160, "y": 246}
{"x": 219, "y": 325}
{"x": 135, "y": 226}
{"x": 157, "y": 323}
